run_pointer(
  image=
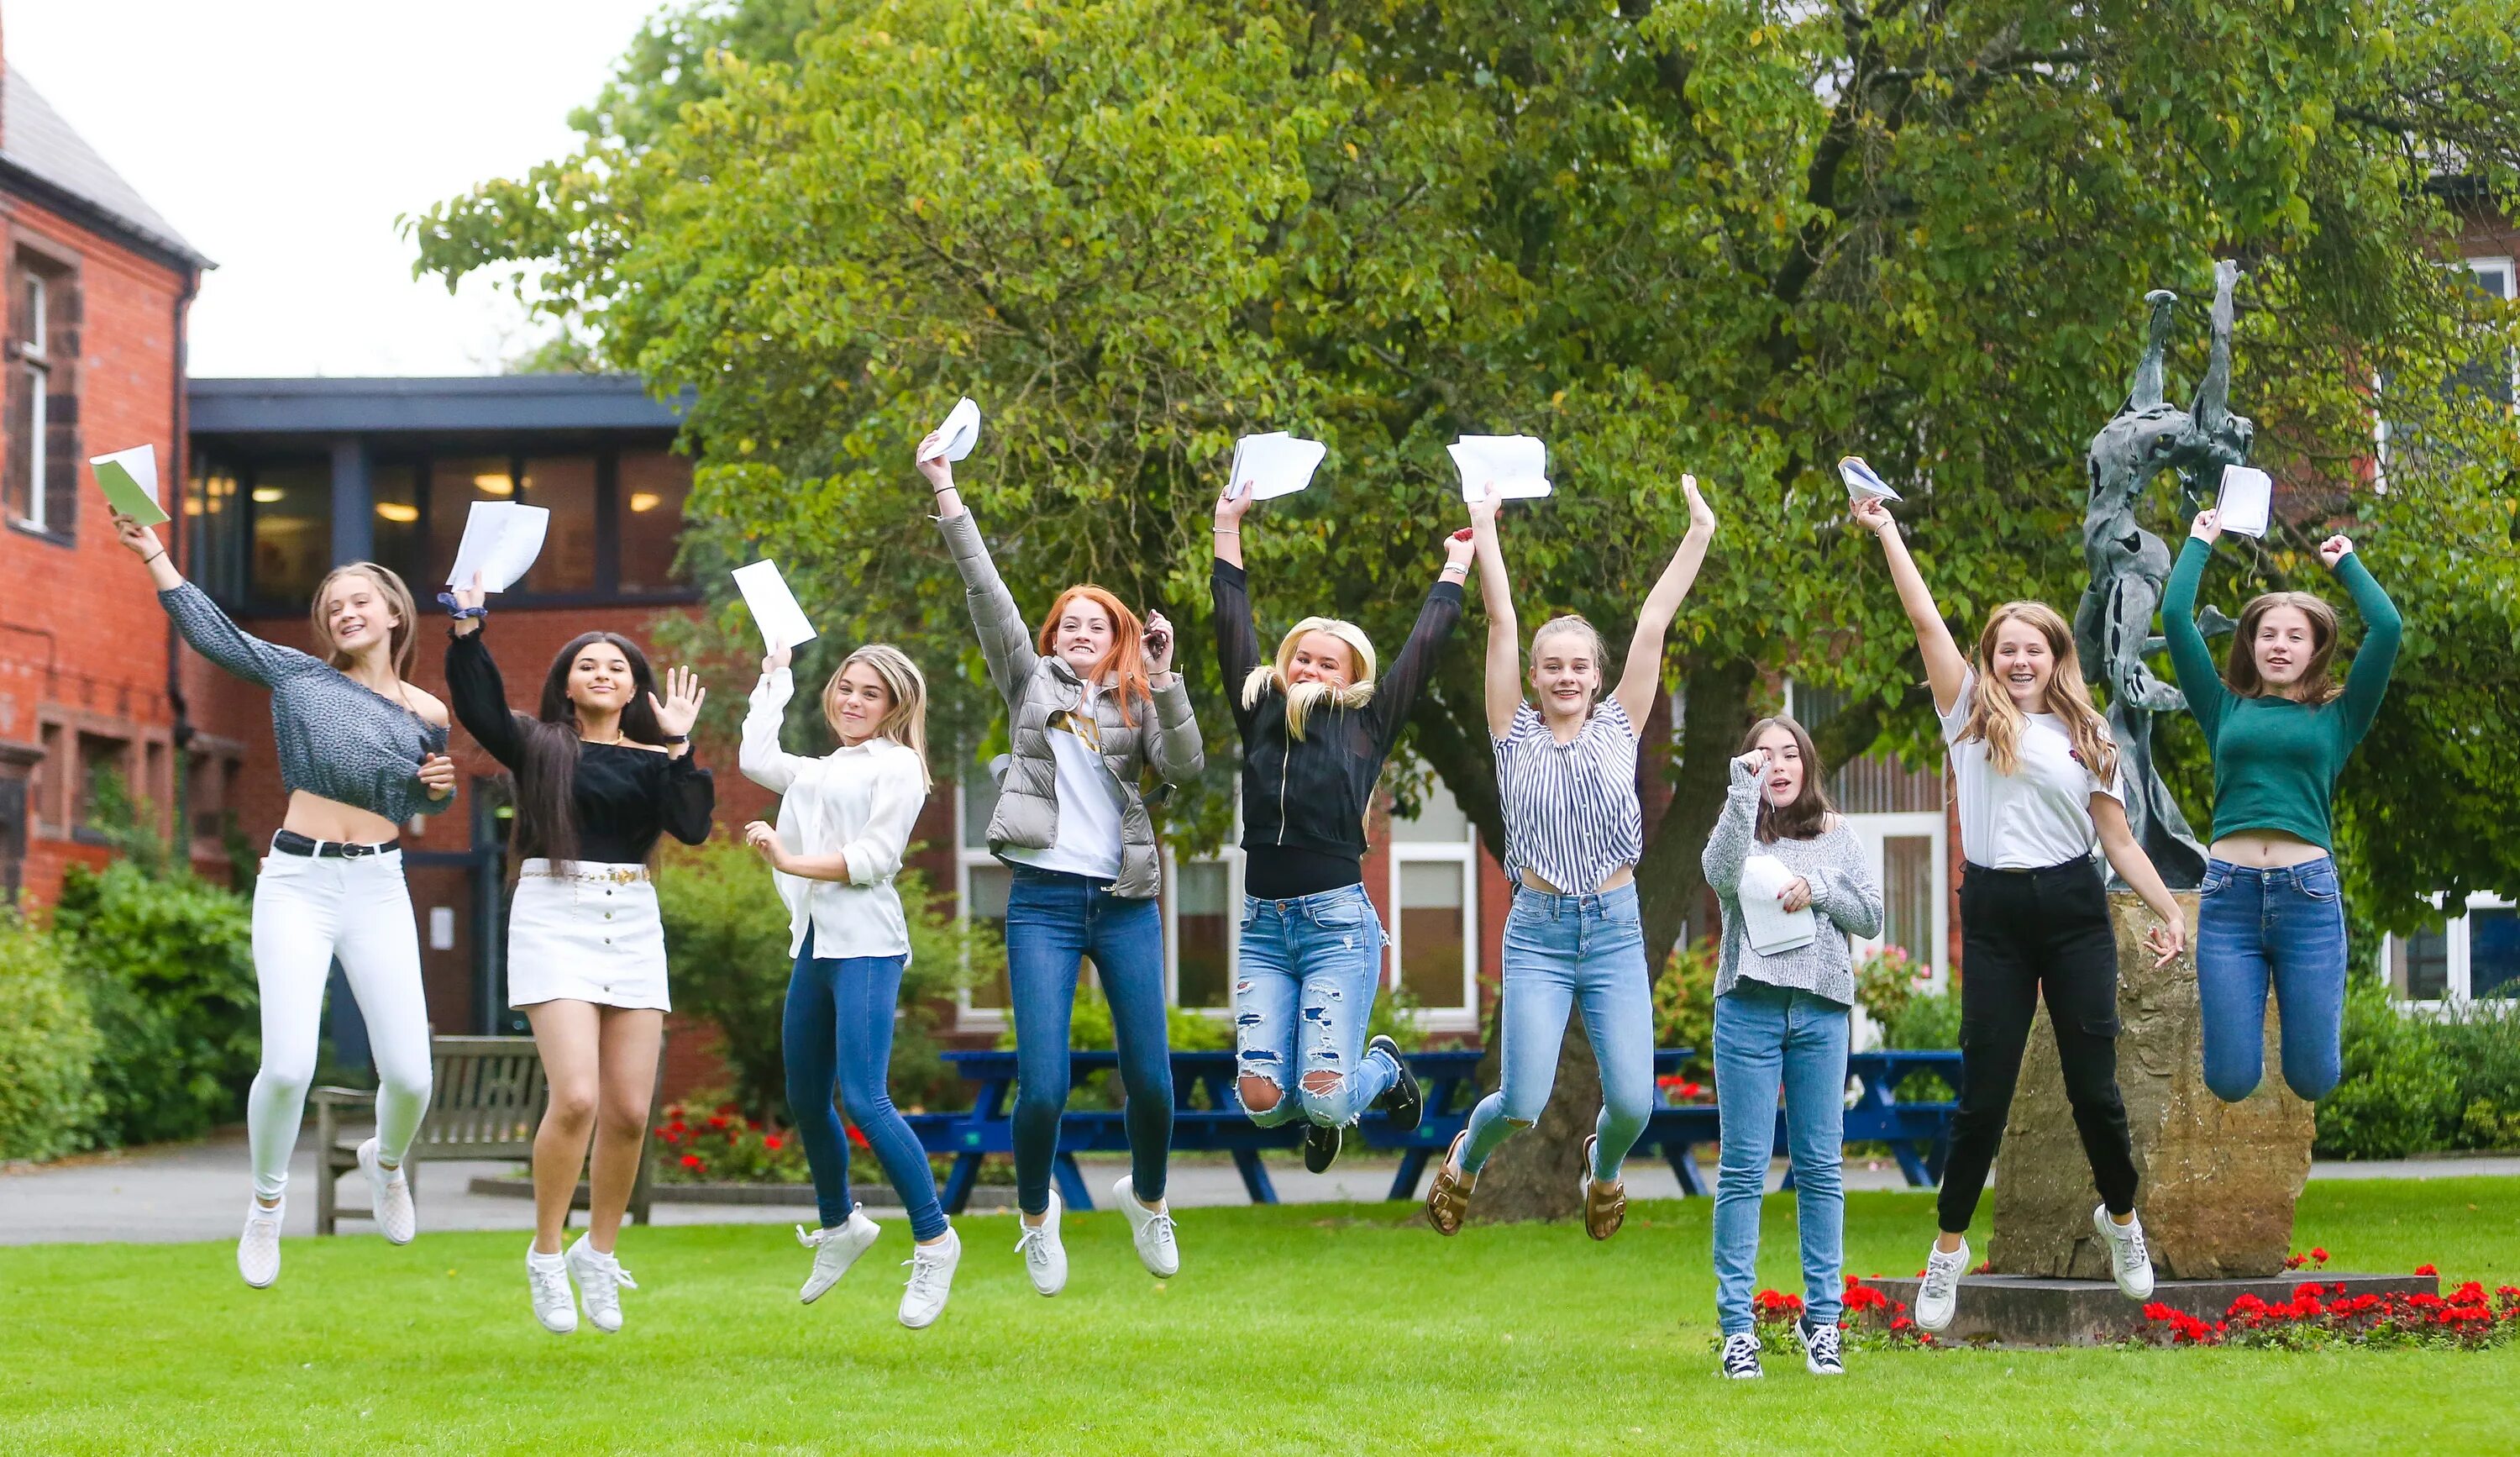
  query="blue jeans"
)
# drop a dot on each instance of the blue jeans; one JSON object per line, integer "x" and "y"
{"x": 1054, "y": 922}
{"x": 837, "y": 1032}
{"x": 1561, "y": 951}
{"x": 1767, "y": 1037}
{"x": 1313, "y": 963}
{"x": 2284, "y": 927}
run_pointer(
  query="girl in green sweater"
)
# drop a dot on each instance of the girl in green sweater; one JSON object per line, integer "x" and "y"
{"x": 2279, "y": 730}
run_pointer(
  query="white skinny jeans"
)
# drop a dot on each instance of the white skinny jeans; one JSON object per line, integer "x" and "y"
{"x": 307, "y": 911}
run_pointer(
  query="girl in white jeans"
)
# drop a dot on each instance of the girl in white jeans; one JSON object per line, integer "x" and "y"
{"x": 361, "y": 750}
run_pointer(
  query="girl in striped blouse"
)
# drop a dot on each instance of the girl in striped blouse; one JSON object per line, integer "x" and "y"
{"x": 1566, "y": 773}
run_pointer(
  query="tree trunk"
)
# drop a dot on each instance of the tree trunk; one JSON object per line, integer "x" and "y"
{"x": 1534, "y": 1174}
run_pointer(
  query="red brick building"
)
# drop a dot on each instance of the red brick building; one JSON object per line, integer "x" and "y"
{"x": 98, "y": 290}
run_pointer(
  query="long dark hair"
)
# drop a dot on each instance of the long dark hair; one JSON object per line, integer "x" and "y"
{"x": 1808, "y": 815}
{"x": 545, "y": 825}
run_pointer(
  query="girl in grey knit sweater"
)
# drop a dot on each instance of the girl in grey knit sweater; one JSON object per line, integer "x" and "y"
{"x": 1780, "y": 1024}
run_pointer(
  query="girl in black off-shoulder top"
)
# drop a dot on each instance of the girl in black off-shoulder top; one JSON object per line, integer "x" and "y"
{"x": 602, "y": 768}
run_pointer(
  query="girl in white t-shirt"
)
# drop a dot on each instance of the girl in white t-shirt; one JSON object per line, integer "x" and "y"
{"x": 2036, "y": 768}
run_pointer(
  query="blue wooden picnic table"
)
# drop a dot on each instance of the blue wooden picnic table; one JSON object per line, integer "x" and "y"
{"x": 1917, "y": 1132}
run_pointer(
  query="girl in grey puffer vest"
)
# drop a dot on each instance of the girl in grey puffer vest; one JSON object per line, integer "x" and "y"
{"x": 1092, "y": 704}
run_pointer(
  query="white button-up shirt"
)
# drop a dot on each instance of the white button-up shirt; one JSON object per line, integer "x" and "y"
{"x": 859, "y": 802}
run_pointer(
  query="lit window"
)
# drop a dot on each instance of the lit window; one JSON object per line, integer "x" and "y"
{"x": 653, "y": 484}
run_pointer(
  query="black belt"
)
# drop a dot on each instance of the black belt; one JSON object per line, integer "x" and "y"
{"x": 291, "y": 843}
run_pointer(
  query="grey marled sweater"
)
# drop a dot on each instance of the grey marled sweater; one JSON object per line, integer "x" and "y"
{"x": 1844, "y": 895}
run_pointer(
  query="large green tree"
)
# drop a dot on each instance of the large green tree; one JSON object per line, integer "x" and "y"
{"x": 1729, "y": 238}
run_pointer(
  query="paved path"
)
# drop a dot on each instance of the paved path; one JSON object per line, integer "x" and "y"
{"x": 198, "y": 1191}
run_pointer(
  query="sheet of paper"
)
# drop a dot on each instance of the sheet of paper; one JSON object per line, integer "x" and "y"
{"x": 1275, "y": 464}
{"x": 501, "y": 540}
{"x": 775, "y": 611}
{"x": 2246, "y": 499}
{"x": 961, "y": 429}
{"x": 1766, "y": 924}
{"x": 129, "y": 480}
{"x": 1518, "y": 463}
{"x": 1861, "y": 482}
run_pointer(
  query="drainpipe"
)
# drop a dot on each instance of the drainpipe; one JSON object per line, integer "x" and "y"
{"x": 178, "y": 484}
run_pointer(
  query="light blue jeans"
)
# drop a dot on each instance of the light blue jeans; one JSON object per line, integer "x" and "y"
{"x": 1767, "y": 1039}
{"x": 1311, "y": 967}
{"x": 2284, "y": 928}
{"x": 1560, "y": 952}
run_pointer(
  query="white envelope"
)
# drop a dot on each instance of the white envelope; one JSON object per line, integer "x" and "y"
{"x": 2246, "y": 499}
{"x": 1275, "y": 464}
{"x": 961, "y": 429}
{"x": 1861, "y": 482}
{"x": 1768, "y": 928}
{"x": 775, "y": 611}
{"x": 501, "y": 539}
{"x": 1518, "y": 463}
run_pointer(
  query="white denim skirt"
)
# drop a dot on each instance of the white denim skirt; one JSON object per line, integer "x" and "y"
{"x": 582, "y": 931}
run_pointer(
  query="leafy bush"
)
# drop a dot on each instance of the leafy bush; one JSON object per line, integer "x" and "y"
{"x": 2417, "y": 1082}
{"x": 167, "y": 964}
{"x": 727, "y": 932}
{"x": 48, "y": 1099}
{"x": 1927, "y": 1020}
{"x": 1684, "y": 1002}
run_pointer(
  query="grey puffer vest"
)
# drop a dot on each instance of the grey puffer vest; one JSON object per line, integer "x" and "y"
{"x": 1164, "y": 737}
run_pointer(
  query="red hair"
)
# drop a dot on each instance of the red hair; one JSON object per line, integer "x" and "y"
{"x": 1125, "y": 662}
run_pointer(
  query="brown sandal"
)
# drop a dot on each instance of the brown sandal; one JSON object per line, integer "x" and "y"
{"x": 1605, "y": 1206}
{"x": 1448, "y": 1200}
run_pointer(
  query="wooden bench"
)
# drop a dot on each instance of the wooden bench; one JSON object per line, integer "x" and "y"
{"x": 486, "y": 1097}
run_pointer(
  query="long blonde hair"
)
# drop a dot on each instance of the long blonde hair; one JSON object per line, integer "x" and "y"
{"x": 1993, "y": 720}
{"x": 904, "y": 722}
{"x": 1303, "y": 697}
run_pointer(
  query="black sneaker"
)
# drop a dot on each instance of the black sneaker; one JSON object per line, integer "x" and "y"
{"x": 1820, "y": 1347}
{"x": 1741, "y": 1358}
{"x": 1403, "y": 1100}
{"x": 1320, "y": 1148}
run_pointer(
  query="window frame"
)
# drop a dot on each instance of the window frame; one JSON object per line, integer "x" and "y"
{"x": 2455, "y": 995}
{"x": 35, "y": 366}
{"x": 1465, "y": 853}
{"x": 968, "y": 1018}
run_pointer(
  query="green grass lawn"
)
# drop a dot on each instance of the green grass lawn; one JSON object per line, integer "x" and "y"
{"x": 1343, "y": 1328}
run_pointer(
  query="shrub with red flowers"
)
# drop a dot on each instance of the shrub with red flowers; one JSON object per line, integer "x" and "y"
{"x": 722, "y": 1146}
{"x": 2321, "y": 1314}
{"x": 1678, "y": 1090}
{"x": 1867, "y": 1319}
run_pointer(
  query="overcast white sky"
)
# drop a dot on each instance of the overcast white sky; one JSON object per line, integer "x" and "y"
{"x": 281, "y": 137}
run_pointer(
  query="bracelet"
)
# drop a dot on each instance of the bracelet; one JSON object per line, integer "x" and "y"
{"x": 673, "y": 738}
{"x": 1225, "y": 530}
{"x": 161, "y": 557}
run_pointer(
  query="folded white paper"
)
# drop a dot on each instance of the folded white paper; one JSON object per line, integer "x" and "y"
{"x": 501, "y": 539}
{"x": 2246, "y": 500}
{"x": 1769, "y": 926}
{"x": 1518, "y": 463}
{"x": 775, "y": 611}
{"x": 129, "y": 480}
{"x": 961, "y": 429}
{"x": 1861, "y": 482}
{"x": 1275, "y": 464}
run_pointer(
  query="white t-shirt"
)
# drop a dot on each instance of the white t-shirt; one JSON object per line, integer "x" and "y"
{"x": 2037, "y": 816}
{"x": 1089, "y": 801}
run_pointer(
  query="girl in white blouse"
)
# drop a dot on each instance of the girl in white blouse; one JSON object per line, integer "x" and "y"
{"x": 844, "y": 821}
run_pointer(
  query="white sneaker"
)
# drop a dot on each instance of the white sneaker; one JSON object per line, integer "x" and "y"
{"x": 1741, "y": 1358}
{"x": 1045, "y": 1258}
{"x": 2128, "y": 1262}
{"x": 600, "y": 1282}
{"x": 555, "y": 1303}
{"x": 390, "y": 1193}
{"x": 258, "y": 1248}
{"x": 835, "y": 1249}
{"x": 1938, "y": 1296}
{"x": 1153, "y": 1229}
{"x": 932, "y": 1280}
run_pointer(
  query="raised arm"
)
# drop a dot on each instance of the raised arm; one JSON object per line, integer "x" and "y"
{"x": 2189, "y": 658}
{"x": 1736, "y": 829}
{"x": 759, "y": 754}
{"x": 1400, "y": 682}
{"x": 2367, "y": 680}
{"x": 1229, "y": 597}
{"x": 1642, "y": 677}
{"x": 207, "y": 629}
{"x": 1945, "y": 667}
{"x": 1003, "y": 641}
{"x": 690, "y": 803}
{"x": 478, "y": 697}
{"x": 1505, "y": 633}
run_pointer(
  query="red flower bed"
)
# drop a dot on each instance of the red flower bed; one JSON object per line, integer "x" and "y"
{"x": 1677, "y": 1090}
{"x": 1867, "y": 1319}
{"x": 724, "y": 1147}
{"x": 2320, "y": 1314}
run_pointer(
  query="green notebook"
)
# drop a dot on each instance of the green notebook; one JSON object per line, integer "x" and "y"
{"x": 130, "y": 479}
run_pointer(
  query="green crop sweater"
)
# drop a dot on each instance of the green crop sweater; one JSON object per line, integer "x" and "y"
{"x": 2275, "y": 761}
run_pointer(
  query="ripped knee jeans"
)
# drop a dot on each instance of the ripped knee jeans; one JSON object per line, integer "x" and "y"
{"x": 1310, "y": 969}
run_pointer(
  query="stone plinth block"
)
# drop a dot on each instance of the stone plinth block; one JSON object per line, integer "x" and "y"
{"x": 2219, "y": 1179}
{"x": 2033, "y": 1310}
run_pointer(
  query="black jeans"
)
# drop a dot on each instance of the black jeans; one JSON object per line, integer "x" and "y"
{"x": 2022, "y": 932}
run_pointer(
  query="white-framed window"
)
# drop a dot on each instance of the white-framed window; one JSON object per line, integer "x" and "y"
{"x": 1896, "y": 809}
{"x": 35, "y": 362}
{"x": 1434, "y": 901}
{"x": 2471, "y": 956}
{"x": 1202, "y": 921}
{"x": 981, "y": 885}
